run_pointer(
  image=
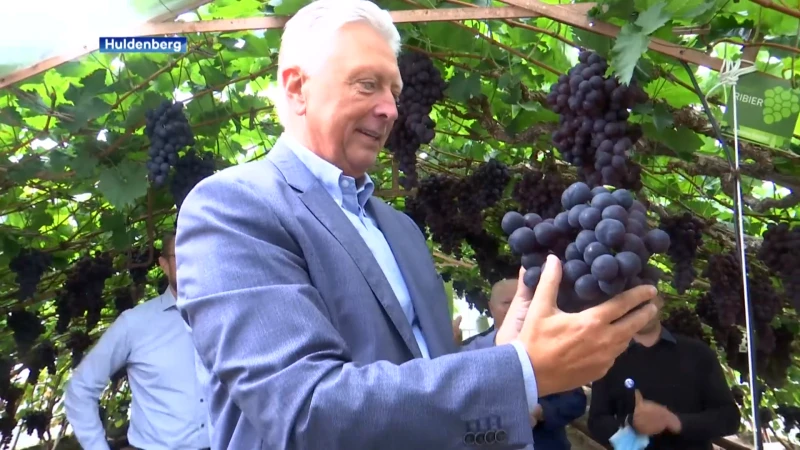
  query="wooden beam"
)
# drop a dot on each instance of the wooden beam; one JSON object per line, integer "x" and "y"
{"x": 54, "y": 61}
{"x": 409, "y": 16}
{"x": 789, "y": 11}
{"x": 570, "y": 17}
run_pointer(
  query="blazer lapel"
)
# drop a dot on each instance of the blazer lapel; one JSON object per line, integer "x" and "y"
{"x": 436, "y": 337}
{"x": 325, "y": 209}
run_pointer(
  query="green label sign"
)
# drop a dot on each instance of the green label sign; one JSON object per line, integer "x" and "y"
{"x": 767, "y": 110}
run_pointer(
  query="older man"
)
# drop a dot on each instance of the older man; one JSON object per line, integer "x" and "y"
{"x": 554, "y": 412}
{"x": 317, "y": 308}
{"x": 151, "y": 342}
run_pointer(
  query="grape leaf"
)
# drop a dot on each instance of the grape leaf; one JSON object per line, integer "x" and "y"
{"x": 123, "y": 184}
{"x": 10, "y": 116}
{"x": 653, "y": 18}
{"x": 464, "y": 86}
{"x": 605, "y": 9}
{"x": 662, "y": 118}
{"x": 630, "y": 45}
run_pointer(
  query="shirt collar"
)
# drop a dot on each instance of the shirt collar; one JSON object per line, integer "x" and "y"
{"x": 168, "y": 300}
{"x": 667, "y": 336}
{"x": 331, "y": 177}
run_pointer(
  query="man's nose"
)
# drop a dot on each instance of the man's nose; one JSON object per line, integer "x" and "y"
{"x": 387, "y": 107}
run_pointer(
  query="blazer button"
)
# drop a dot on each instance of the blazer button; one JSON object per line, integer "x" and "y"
{"x": 490, "y": 437}
{"x": 480, "y": 438}
{"x": 469, "y": 439}
{"x": 500, "y": 436}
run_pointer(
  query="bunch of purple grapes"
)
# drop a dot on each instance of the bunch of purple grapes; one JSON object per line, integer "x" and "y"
{"x": 724, "y": 275}
{"x": 594, "y": 134}
{"x": 83, "y": 288}
{"x": 423, "y": 87}
{"x": 540, "y": 193}
{"x": 686, "y": 234}
{"x": 168, "y": 131}
{"x": 602, "y": 238}
{"x": 684, "y": 321}
{"x": 29, "y": 265}
{"x": 781, "y": 254}
{"x": 190, "y": 169}
{"x": 725, "y": 278}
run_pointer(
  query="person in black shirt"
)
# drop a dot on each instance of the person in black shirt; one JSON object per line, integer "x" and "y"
{"x": 554, "y": 412}
{"x": 681, "y": 401}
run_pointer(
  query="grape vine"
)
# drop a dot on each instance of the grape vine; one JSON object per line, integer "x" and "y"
{"x": 169, "y": 132}
{"x": 423, "y": 87}
{"x": 724, "y": 276}
{"x": 686, "y": 234}
{"x": 540, "y": 193}
{"x": 83, "y": 290}
{"x": 594, "y": 134}
{"x": 123, "y": 299}
{"x": 141, "y": 262}
{"x": 78, "y": 342}
{"x": 7, "y": 425}
{"x": 29, "y": 265}
{"x": 452, "y": 207}
{"x": 190, "y": 169}
{"x": 791, "y": 417}
{"x": 36, "y": 421}
{"x": 42, "y": 357}
{"x": 684, "y": 321}
{"x": 780, "y": 252}
{"x": 26, "y": 328}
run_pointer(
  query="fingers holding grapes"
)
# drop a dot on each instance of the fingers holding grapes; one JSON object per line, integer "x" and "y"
{"x": 571, "y": 350}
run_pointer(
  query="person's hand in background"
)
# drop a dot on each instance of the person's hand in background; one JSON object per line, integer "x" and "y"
{"x": 538, "y": 413}
{"x": 650, "y": 418}
{"x": 458, "y": 336}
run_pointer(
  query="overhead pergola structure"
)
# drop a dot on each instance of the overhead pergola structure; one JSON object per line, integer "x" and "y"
{"x": 157, "y": 18}
{"x": 574, "y": 15}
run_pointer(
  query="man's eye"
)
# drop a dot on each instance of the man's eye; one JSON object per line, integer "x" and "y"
{"x": 368, "y": 85}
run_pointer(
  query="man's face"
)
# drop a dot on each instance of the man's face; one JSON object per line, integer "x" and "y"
{"x": 502, "y": 295}
{"x": 350, "y": 105}
{"x": 656, "y": 320}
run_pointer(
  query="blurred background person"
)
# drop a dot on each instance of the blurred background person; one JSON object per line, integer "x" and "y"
{"x": 682, "y": 400}
{"x": 152, "y": 343}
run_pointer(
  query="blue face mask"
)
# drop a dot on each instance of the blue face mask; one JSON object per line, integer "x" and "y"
{"x": 628, "y": 439}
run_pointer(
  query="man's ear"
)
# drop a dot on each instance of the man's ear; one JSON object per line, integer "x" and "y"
{"x": 293, "y": 81}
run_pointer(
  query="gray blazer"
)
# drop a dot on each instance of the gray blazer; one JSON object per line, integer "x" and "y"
{"x": 306, "y": 344}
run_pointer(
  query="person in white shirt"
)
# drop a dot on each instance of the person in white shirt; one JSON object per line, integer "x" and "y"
{"x": 152, "y": 342}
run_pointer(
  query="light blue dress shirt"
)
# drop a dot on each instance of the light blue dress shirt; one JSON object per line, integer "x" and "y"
{"x": 168, "y": 409}
{"x": 352, "y": 199}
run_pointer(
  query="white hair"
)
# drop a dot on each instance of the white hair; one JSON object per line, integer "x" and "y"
{"x": 309, "y": 35}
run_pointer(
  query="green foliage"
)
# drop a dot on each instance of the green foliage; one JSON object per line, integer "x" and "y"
{"x": 73, "y": 177}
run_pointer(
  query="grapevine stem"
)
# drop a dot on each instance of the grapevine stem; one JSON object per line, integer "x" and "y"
{"x": 733, "y": 159}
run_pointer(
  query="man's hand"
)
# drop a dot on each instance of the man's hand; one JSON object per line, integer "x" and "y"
{"x": 458, "y": 336}
{"x": 649, "y": 418}
{"x": 570, "y": 350}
